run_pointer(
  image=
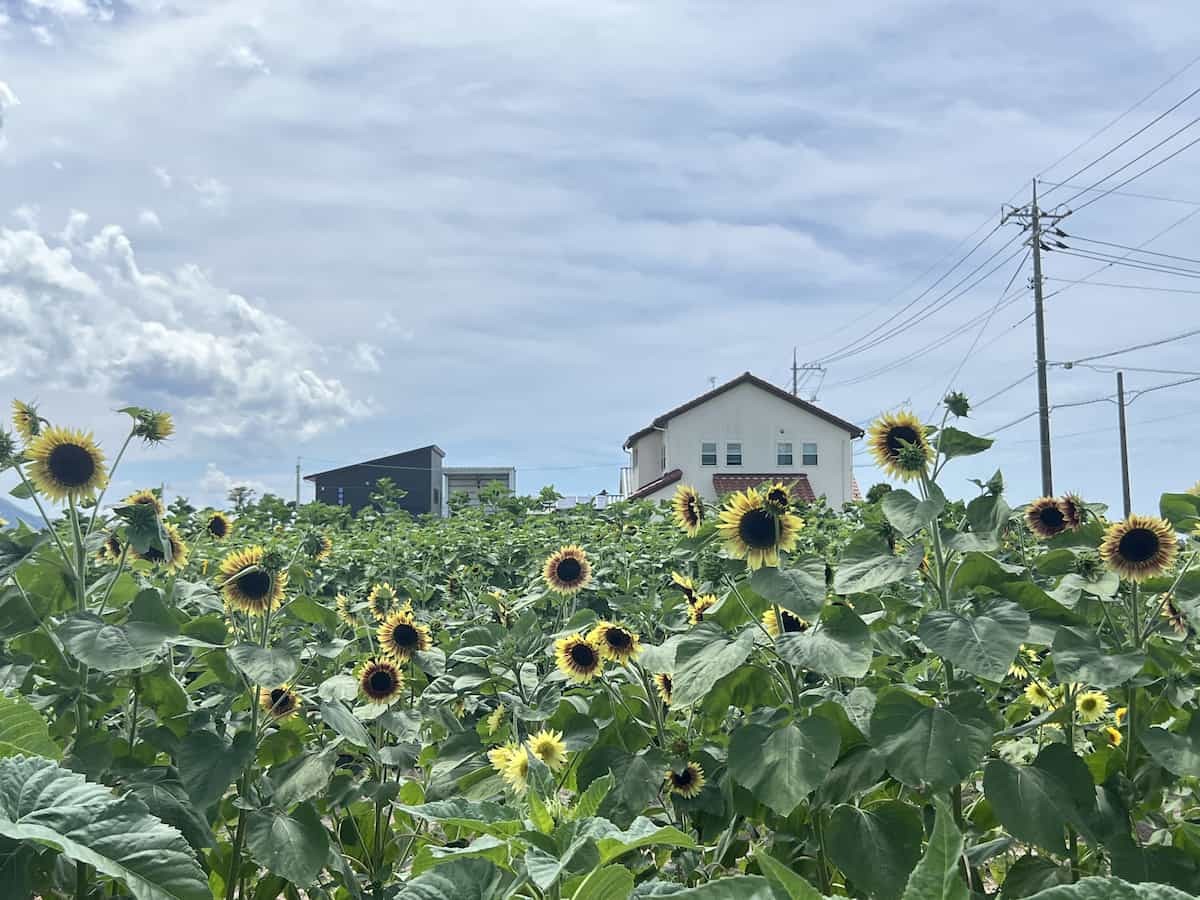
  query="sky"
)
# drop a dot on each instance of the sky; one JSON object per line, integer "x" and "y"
{"x": 521, "y": 231}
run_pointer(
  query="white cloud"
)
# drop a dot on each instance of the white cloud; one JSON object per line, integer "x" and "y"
{"x": 62, "y": 8}
{"x": 149, "y": 218}
{"x": 76, "y": 222}
{"x": 163, "y": 176}
{"x": 213, "y": 192}
{"x": 26, "y": 214}
{"x": 42, "y": 35}
{"x": 244, "y": 58}
{"x": 366, "y": 358}
{"x": 218, "y": 483}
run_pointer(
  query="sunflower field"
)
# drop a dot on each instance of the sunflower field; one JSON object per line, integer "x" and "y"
{"x": 914, "y": 697}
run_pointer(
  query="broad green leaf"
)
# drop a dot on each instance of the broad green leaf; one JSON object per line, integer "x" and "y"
{"x": 539, "y": 815}
{"x": 43, "y": 803}
{"x": 937, "y": 875}
{"x": 781, "y": 876}
{"x": 1181, "y": 510}
{"x": 303, "y": 777}
{"x": 485, "y": 847}
{"x": 782, "y": 766}
{"x": 987, "y": 513}
{"x": 589, "y": 801}
{"x": 1078, "y": 656}
{"x": 17, "y": 545}
{"x": 735, "y": 887}
{"x": 267, "y": 666}
{"x": 703, "y": 657}
{"x": 908, "y": 514}
{"x": 953, "y": 443}
{"x": 293, "y": 846}
{"x": 614, "y": 842}
{"x": 1177, "y": 753}
{"x": 800, "y": 588}
{"x": 1111, "y": 889}
{"x": 108, "y": 648}
{"x": 207, "y": 765}
{"x": 867, "y": 563}
{"x": 925, "y": 745}
{"x": 858, "y": 770}
{"x": 877, "y": 847}
{"x": 308, "y": 609}
{"x": 482, "y": 817}
{"x": 463, "y": 879}
{"x": 1029, "y": 802}
{"x": 166, "y": 799}
{"x": 341, "y": 720}
{"x": 984, "y": 644}
{"x": 839, "y": 645}
{"x": 1031, "y": 874}
{"x": 23, "y": 730}
{"x": 607, "y": 883}
{"x": 544, "y": 868}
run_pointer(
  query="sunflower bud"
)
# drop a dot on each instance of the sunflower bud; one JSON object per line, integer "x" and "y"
{"x": 957, "y": 403}
{"x": 9, "y": 454}
{"x": 1089, "y": 566}
{"x": 912, "y": 458}
{"x": 273, "y": 560}
{"x": 150, "y": 425}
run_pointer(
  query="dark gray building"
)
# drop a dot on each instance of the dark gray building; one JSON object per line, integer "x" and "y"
{"x": 419, "y": 472}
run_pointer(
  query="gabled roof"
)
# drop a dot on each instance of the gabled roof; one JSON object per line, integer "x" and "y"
{"x": 724, "y": 483}
{"x": 381, "y": 461}
{"x": 745, "y": 378}
{"x": 656, "y": 485}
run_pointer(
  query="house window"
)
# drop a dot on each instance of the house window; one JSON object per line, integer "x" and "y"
{"x": 733, "y": 453}
{"x": 341, "y": 496}
{"x": 662, "y": 458}
{"x": 783, "y": 453}
{"x": 808, "y": 454}
{"x": 708, "y": 453}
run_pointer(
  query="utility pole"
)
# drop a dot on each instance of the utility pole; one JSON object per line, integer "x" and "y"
{"x": 297, "y": 482}
{"x": 1125, "y": 493}
{"x": 795, "y": 374}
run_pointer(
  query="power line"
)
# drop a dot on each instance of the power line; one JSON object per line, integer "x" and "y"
{"x": 1111, "y": 369}
{"x": 1159, "y": 387}
{"x": 1143, "y": 265}
{"x": 1148, "y": 344}
{"x": 1004, "y": 390}
{"x": 1144, "y": 171}
{"x": 1131, "y": 287}
{"x": 1188, "y": 259}
{"x": 1084, "y": 189}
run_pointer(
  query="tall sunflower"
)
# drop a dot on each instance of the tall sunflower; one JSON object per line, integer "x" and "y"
{"x": 755, "y": 532}
{"x": 700, "y": 606}
{"x": 146, "y": 497}
{"x": 382, "y": 600}
{"x": 179, "y": 551}
{"x": 548, "y": 746}
{"x": 1091, "y": 706}
{"x": 318, "y": 546}
{"x": 1046, "y": 518}
{"x": 685, "y": 584}
{"x": 279, "y": 703}
{"x": 153, "y": 426}
{"x": 218, "y": 526}
{"x": 66, "y": 463}
{"x": 897, "y": 442}
{"x": 578, "y": 658}
{"x": 1139, "y": 547}
{"x": 516, "y": 771}
{"x": 792, "y": 623}
{"x": 567, "y": 570}
{"x": 379, "y": 680}
{"x": 664, "y": 683}
{"x": 778, "y": 497}
{"x": 345, "y": 611}
{"x": 617, "y": 642}
{"x": 687, "y": 783}
{"x": 501, "y": 756}
{"x": 110, "y": 550}
{"x": 401, "y": 635}
{"x": 689, "y": 509}
{"x": 247, "y": 585}
{"x": 1073, "y": 509}
{"x": 26, "y": 420}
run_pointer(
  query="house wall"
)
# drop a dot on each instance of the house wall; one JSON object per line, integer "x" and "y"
{"x": 419, "y": 472}
{"x": 470, "y": 481}
{"x": 648, "y": 463}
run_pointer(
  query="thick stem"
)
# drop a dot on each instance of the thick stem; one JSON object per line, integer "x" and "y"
{"x": 133, "y": 717}
{"x": 104, "y": 490}
{"x": 82, "y": 872}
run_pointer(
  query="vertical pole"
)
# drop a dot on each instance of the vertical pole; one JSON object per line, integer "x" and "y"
{"x": 1125, "y": 493}
{"x": 1035, "y": 229}
{"x": 795, "y": 372}
{"x": 297, "y": 481}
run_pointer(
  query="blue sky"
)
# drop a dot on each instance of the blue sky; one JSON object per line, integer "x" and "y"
{"x": 522, "y": 230}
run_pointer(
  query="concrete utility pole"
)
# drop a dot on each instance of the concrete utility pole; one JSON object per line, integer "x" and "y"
{"x": 795, "y": 374}
{"x": 1125, "y": 493}
{"x": 297, "y": 481}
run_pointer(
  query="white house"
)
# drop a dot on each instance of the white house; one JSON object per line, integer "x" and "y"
{"x": 739, "y": 435}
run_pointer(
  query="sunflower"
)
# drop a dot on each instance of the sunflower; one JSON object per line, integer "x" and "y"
{"x": 1174, "y": 617}
{"x": 500, "y": 757}
{"x": 179, "y": 551}
{"x": 345, "y": 613}
{"x": 548, "y": 746}
{"x": 318, "y": 546}
{"x": 1091, "y": 706}
{"x": 703, "y": 604}
{"x": 778, "y": 496}
{"x": 381, "y": 600}
{"x": 279, "y": 703}
{"x": 218, "y": 526}
{"x": 1045, "y": 517}
{"x": 110, "y": 549}
{"x": 495, "y": 719}
{"x": 578, "y": 658}
{"x": 1026, "y": 660}
{"x": 26, "y": 420}
{"x": 663, "y": 682}
{"x": 516, "y": 771}
{"x": 689, "y": 509}
{"x": 1113, "y": 735}
{"x": 792, "y": 623}
{"x": 897, "y": 442}
{"x": 1139, "y": 547}
{"x": 379, "y": 680}
{"x": 616, "y": 642}
{"x": 1038, "y": 695}
{"x": 1120, "y": 713}
{"x": 688, "y": 783}
{"x": 153, "y": 426}
{"x": 247, "y": 585}
{"x": 567, "y": 571}
{"x": 66, "y": 463}
{"x": 685, "y": 584}
{"x": 401, "y": 635}
{"x": 1073, "y": 509}
{"x": 146, "y": 498}
{"x": 755, "y": 532}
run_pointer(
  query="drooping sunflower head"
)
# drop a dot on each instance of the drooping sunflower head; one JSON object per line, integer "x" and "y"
{"x": 778, "y": 497}
{"x": 790, "y": 624}
{"x": 66, "y": 463}
{"x": 689, "y": 509}
{"x": 26, "y": 420}
{"x": 179, "y": 551}
{"x": 685, "y": 584}
{"x": 1113, "y": 735}
{"x": 1091, "y": 706}
{"x": 146, "y": 498}
{"x": 754, "y": 531}
{"x": 1045, "y": 517}
{"x": 318, "y": 546}
{"x": 617, "y": 642}
{"x": 218, "y": 526}
{"x": 379, "y": 680}
{"x": 890, "y": 436}
{"x": 401, "y": 636}
{"x": 1120, "y": 713}
{"x": 548, "y": 746}
{"x": 110, "y": 550}
{"x": 151, "y": 425}
{"x": 247, "y": 584}
{"x": 1037, "y": 695}
{"x": 688, "y": 782}
{"x": 663, "y": 682}
{"x": 1174, "y": 617}
{"x": 700, "y": 606}
{"x": 381, "y": 600}
{"x": 516, "y": 771}
{"x": 279, "y": 703}
{"x": 344, "y": 608}
{"x": 567, "y": 570}
{"x": 1025, "y": 662}
{"x": 1073, "y": 509}
{"x": 1139, "y": 547}
{"x": 578, "y": 658}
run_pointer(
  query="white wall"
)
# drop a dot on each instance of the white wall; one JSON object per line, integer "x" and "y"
{"x": 649, "y": 458}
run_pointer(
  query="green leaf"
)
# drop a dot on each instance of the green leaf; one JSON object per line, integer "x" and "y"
{"x": 937, "y": 875}
{"x": 607, "y": 883}
{"x": 839, "y": 645}
{"x": 736, "y": 887}
{"x": 782, "y": 766}
{"x": 482, "y": 817}
{"x": 780, "y": 875}
{"x": 925, "y": 745}
{"x": 953, "y": 443}
{"x": 800, "y": 588}
{"x": 23, "y": 730}
{"x": 985, "y": 644}
{"x": 703, "y": 657}
{"x": 544, "y": 868}
{"x": 589, "y": 801}
{"x": 17, "y": 545}
{"x": 613, "y": 842}
{"x": 876, "y": 847}
{"x": 1181, "y": 510}
{"x": 485, "y": 847}
{"x": 303, "y": 777}
{"x": 1078, "y": 656}
{"x": 108, "y": 648}
{"x": 166, "y": 799}
{"x": 867, "y": 563}
{"x": 308, "y": 609}
{"x": 267, "y": 666}
{"x": 539, "y": 815}
{"x": 207, "y": 765}
{"x": 461, "y": 879}
{"x": 987, "y": 513}
{"x": 909, "y": 515}
{"x": 1029, "y": 802}
{"x": 43, "y": 803}
{"x": 1110, "y": 889}
{"x": 1177, "y": 753}
{"x": 344, "y": 723}
{"x": 293, "y": 846}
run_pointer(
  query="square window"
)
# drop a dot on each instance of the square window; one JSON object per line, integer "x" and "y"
{"x": 783, "y": 453}
{"x": 341, "y": 496}
{"x": 733, "y": 453}
{"x": 708, "y": 453}
{"x": 808, "y": 454}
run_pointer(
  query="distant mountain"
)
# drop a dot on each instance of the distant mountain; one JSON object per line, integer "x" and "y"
{"x": 14, "y": 514}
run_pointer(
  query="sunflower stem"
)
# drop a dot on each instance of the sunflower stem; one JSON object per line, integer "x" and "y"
{"x": 82, "y": 872}
{"x": 1152, "y": 621}
{"x": 133, "y": 716}
{"x": 67, "y": 557}
{"x": 108, "y": 481}
{"x": 113, "y": 583}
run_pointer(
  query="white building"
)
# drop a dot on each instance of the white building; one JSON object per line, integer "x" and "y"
{"x": 470, "y": 480}
{"x": 739, "y": 435}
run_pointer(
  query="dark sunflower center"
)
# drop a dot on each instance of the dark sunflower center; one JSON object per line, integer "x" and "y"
{"x": 279, "y": 698}
{"x": 618, "y": 638}
{"x": 757, "y": 529}
{"x": 1088, "y": 704}
{"x": 255, "y": 584}
{"x": 1139, "y": 545}
{"x": 217, "y": 527}
{"x": 153, "y": 554}
{"x": 792, "y": 624}
{"x": 1052, "y": 517}
{"x": 405, "y": 635}
{"x": 693, "y": 509}
{"x": 898, "y": 436}
{"x": 666, "y": 683}
{"x": 71, "y": 465}
{"x": 683, "y": 779}
{"x": 778, "y": 498}
{"x": 381, "y": 682}
{"x": 569, "y": 570}
{"x": 583, "y": 655}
